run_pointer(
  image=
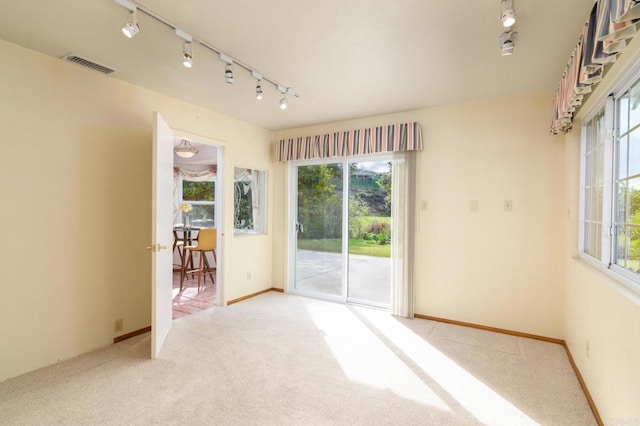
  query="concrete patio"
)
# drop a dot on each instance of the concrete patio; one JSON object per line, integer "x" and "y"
{"x": 321, "y": 272}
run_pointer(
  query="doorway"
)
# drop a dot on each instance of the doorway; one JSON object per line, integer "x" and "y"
{"x": 164, "y": 142}
{"x": 342, "y": 240}
{"x": 195, "y": 206}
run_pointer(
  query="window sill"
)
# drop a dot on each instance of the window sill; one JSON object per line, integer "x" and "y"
{"x": 241, "y": 233}
{"x": 622, "y": 284}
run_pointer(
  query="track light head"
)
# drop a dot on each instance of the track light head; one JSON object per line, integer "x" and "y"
{"x": 258, "y": 77}
{"x": 508, "y": 18}
{"x": 507, "y": 42}
{"x": 507, "y": 48}
{"x": 508, "y": 14}
{"x": 284, "y": 91}
{"x": 228, "y": 75}
{"x": 187, "y": 49}
{"x": 131, "y": 28}
{"x": 187, "y": 55}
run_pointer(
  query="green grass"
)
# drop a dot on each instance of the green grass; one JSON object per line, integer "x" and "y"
{"x": 334, "y": 245}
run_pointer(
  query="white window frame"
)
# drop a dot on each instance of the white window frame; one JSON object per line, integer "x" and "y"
{"x": 587, "y": 152}
{"x": 628, "y": 279}
{"x": 614, "y": 267}
{"x": 181, "y": 199}
{"x": 607, "y": 190}
{"x": 259, "y": 222}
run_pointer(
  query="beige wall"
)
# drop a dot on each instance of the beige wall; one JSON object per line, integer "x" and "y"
{"x": 597, "y": 309}
{"x": 76, "y": 203}
{"x": 491, "y": 267}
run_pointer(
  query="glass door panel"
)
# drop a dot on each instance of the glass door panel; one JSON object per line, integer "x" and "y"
{"x": 369, "y": 255}
{"x": 319, "y": 263}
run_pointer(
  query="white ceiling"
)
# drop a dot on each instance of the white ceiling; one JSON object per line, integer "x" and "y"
{"x": 207, "y": 155}
{"x": 346, "y": 58}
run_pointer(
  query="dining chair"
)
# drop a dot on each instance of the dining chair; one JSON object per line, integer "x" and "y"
{"x": 206, "y": 242}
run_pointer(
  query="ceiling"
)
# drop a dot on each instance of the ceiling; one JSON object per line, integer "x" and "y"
{"x": 207, "y": 155}
{"x": 346, "y": 58}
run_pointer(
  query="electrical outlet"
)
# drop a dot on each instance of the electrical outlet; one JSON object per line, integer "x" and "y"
{"x": 119, "y": 325}
{"x": 424, "y": 205}
{"x": 473, "y": 206}
{"x": 508, "y": 205}
{"x": 248, "y": 276}
{"x": 587, "y": 348}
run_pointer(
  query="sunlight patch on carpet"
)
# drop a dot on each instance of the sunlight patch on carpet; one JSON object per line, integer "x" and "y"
{"x": 366, "y": 359}
{"x": 477, "y": 398}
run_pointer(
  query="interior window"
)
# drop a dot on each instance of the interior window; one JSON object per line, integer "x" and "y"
{"x": 249, "y": 201}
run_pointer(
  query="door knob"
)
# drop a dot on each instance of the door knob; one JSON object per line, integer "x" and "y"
{"x": 156, "y": 247}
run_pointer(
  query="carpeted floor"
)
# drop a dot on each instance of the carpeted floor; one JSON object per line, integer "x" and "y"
{"x": 282, "y": 359}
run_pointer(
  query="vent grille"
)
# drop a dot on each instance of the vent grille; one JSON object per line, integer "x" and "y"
{"x": 88, "y": 63}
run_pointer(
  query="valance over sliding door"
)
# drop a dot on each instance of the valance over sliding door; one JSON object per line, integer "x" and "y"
{"x": 380, "y": 139}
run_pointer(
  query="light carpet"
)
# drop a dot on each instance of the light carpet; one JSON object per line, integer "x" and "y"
{"x": 280, "y": 359}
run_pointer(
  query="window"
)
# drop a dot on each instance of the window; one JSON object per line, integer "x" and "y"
{"x": 627, "y": 181}
{"x": 610, "y": 215}
{"x": 593, "y": 186}
{"x": 249, "y": 201}
{"x": 202, "y": 197}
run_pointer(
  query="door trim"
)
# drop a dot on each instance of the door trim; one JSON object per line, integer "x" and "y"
{"x": 219, "y": 206}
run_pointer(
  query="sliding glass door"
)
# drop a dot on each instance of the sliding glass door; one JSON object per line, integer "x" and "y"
{"x": 369, "y": 232}
{"x": 343, "y": 230}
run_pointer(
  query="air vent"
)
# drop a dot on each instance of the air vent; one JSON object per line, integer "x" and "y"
{"x": 88, "y": 63}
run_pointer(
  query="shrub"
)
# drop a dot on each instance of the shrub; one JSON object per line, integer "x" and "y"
{"x": 383, "y": 238}
{"x": 374, "y": 227}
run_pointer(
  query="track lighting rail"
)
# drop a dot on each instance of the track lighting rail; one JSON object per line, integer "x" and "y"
{"x": 133, "y": 6}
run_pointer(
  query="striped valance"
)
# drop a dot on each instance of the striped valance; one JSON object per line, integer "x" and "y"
{"x": 391, "y": 138}
{"x": 604, "y": 36}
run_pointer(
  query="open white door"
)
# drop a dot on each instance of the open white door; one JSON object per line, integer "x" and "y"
{"x": 161, "y": 233}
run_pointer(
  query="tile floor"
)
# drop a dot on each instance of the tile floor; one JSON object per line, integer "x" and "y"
{"x": 190, "y": 300}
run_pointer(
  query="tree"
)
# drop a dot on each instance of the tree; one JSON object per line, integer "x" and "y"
{"x": 629, "y": 235}
{"x": 357, "y": 209}
{"x": 319, "y": 201}
{"x": 198, "y": 191}
{"x": 385, "y": 183}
